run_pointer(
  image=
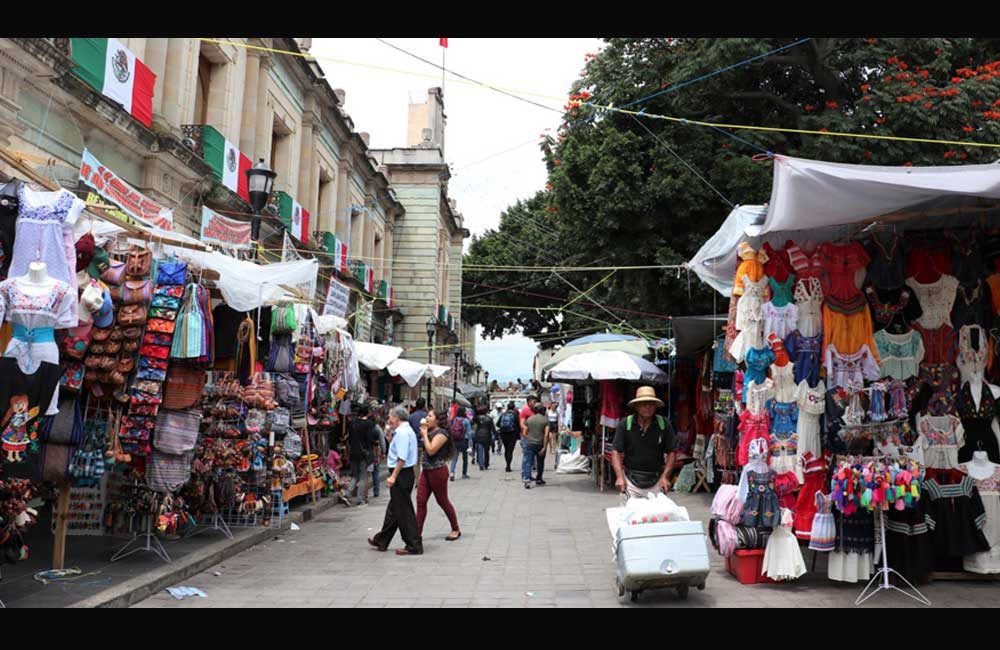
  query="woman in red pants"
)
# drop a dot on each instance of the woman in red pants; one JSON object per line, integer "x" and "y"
{"x": 438, "y": 450}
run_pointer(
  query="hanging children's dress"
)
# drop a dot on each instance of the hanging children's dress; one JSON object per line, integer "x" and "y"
{"x": 755, "y": 421}
{"x": 805, "y": 352}
{"x": 850, "y": 370}
{"x": 778, "y": 265}
{"x": 936, "y": 300}
{"x": 809, "y": 300}
{"x": 956, "y": 517}
{"x": 783, "y": 439}
{"x": 847, "y": 323}
{"x": 823, "y": 531}
{"x": 901, "y": 353}
{"x": 941, "y": 436}
{"x": 812, "y": 405}
{"x": 749, "y": 310}
{"x": 782, "y": 557}
{"x": 784, "y": 382}
{"x": 973, "y": 305}
{"x": 888, "y": 259}
{"x": 815, "y": 470}
{"x": 757, "y": 361}
{"x": 973, "y": 351}
{"x": 928, "y": 260}
{"x": 894, "y": 310}
{"x": 761, "y": 506}
{"x": 852, "y": 559}
{"x": 780, "y": 320}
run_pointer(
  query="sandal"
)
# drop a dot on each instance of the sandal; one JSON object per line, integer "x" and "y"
{"x": 449, "y": 538}
{"x": 372, "y": 542}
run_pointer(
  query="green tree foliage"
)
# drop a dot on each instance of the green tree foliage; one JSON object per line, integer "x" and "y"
{"x": 618, "y": 195}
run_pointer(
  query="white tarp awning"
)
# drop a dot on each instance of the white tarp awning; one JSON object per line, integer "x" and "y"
{"x": 412, "y": 372}
{"x": 374, "y": 356}
{"x": 607, "y": 365}
{"x": 820, "y": 198}
{"x": 438, "y": 371}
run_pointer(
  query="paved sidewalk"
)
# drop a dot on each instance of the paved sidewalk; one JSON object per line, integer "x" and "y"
{"x": 545, "y": 547}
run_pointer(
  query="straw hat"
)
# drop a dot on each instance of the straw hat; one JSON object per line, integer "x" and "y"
{"x": 645, "y": 394}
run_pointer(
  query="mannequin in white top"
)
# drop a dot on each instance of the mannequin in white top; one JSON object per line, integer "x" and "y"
{"x": 980, "y": 467}
{"x": 37, "y": 282}
{"x": 975, "y": 383}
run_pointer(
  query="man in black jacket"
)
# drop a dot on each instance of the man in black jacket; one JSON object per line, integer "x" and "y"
{"x": 362, "y": 437}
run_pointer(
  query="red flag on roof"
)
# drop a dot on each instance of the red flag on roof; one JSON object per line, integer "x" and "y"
{"x": 443, "y": 42}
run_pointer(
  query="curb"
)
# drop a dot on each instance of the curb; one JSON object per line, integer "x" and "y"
{"x": 141, "y": 587}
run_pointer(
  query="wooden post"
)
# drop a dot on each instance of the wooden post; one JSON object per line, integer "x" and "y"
{"x": 62, "y": 515}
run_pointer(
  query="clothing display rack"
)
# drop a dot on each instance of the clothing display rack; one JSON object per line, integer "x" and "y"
{"x": 153, "y": 544}
{"x": 882, "y": 573}
{"x": 218, "y": 523}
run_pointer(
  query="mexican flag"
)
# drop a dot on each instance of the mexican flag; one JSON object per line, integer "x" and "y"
{"x": 294, "y": 216}
{"x": 227, "y": 163}
{"x": 337, "y": 250}
{"x": 369, "y": 279}
{"x": 112, "y": 68}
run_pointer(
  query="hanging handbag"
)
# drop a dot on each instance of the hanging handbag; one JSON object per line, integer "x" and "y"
{"x": 177, "y": 430}
{"x": 113, "y": 347}
{"x": 126, "y": 364}
{"x": 169, "y": 292}
{"x": 135, "y": 292}
{"x": 130, "y": 315}
{"x": 140, "y": 262}
{"x": 161, "y": 326}
{"x": 163, "y": 312}
{"x": 98, "y": 334}
{"x": 185, "y": 386}
{"x": 168, "y": 473}
{"x": 172, "y": 273}
{"x": 168, "y": 302}
{"x": 75, "y": 347}
{"x": 115, "y": 273}
{"x": 281, "y": 358}
{"x": 72, "y": 379}
{"x": 283, "y": 320}
{"x": 130, "y": 346}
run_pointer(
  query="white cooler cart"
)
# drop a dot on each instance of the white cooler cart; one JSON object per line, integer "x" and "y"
{"x": 661, "y": 556}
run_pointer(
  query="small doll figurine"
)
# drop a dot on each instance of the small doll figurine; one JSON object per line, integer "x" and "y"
{"x": 15, "y": 436}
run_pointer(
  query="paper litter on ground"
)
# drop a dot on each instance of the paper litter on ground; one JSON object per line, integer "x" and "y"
{"x": 180, "y": 593}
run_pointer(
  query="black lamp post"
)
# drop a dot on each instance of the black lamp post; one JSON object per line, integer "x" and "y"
{"x": 260, "y": 181}
{"x": 487, "y": 375}
{"x": 431, "y": 330}
{"x": 454, "y": 383}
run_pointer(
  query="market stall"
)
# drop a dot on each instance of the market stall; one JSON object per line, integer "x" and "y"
{"x": 863, "y": 306}
{"x": 153, "y": 387}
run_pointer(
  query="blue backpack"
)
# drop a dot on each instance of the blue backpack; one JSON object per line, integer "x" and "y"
{"x": 508, "y": 422}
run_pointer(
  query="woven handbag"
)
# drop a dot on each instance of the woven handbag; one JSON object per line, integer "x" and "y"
{"x": 184, "y": 387}
{"x": 176, "y": 431}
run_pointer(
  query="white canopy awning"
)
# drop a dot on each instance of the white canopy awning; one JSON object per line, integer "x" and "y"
{"x": 374, "y": 356}
{"x": 607, "y": 365}
{"x": 412, "y": 372}
{"x": 815, "y": 200}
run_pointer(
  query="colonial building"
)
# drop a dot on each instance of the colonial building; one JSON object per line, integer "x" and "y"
{"x": 428, "y": 241}
{"x": 270, "y": 106}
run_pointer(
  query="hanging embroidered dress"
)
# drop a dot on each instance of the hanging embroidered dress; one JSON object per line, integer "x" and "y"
{"x": 956, "y": 517}
{"x": 780, "y": 321}
{"x": 977, "y": 424}
{"x": 758, "y": 361}
{"x": 815, "y": 470}
{"x": 989, "y": 492}
{"x": 35, "y": 319}
{"x": 941, "y": 437}
{"x": 901, "y": 353}
{"x": 888, "y": 258}
{"x": 778, "y": 265}
{"x": 809, "y": 300}
{"x": 812, "y": 406}
{"x": 894, "y": 310}
{"x": 805, "y": 354}
{"x": 783, "y": 439}
{"x": 936, "y": 300}
{"x": 847, "y": 323}
{"x": 850, "y": 370}
{"x": 822, "y": 533}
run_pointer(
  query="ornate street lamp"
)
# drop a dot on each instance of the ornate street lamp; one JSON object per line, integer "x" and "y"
{"x": 431, "y": 330}
{"x": 260, "y": 180}
{"x": 487, "y": 375}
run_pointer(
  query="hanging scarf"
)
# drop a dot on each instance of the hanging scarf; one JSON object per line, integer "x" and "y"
{"x": 188, "y": 335}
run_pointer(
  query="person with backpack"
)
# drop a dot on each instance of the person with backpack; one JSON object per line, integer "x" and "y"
{"x": 362, "y": 438}
{"x": 497, "y": 440}
{"x": 510, "y": 431}
{"x": 459, "y": 429}
{"x": 644, "y": 448}
{"x": 485, "y": 430}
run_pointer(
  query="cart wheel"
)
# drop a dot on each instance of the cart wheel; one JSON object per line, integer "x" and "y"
{"x": 633, "y": 596}
{"x": 682, "y": 591}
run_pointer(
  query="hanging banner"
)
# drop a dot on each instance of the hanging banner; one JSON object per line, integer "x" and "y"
{"x": 228, "y": 233}
{"x": 133, "y": 202}
{"x": 337, "y": 299}
{"x": 288, "y": 252}
{"x": 363, "y": 323}
{"x": 98, "y": 202}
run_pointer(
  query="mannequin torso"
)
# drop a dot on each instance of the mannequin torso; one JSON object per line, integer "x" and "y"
{"x": 37, "y": 282}
{"x": 980, "y": 467}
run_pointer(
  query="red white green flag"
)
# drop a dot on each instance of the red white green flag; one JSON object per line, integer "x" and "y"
{"x": 294, "y": 216}
{"x": 228, "y": 164}
{"x": 114, "y": 70}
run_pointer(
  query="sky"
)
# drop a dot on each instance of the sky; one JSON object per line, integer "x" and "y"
{"x": 491, "y": 140}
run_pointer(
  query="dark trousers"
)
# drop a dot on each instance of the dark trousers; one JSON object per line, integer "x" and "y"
{"x": 399, "y": 514}
{"x": 509, "y": 442}
{"x": 540, "y": 465}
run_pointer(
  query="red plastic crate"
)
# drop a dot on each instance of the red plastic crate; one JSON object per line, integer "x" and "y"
{"x": 746, "y": 565}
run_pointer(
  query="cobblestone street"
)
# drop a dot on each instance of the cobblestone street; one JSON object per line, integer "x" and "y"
{"x": 547, "y": 547}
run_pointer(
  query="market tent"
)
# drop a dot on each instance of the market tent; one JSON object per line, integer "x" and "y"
{"x": 607, "y": 364}
{"x": 374, "y": 356}
{"x": 822, "y": 198}
{"x": 445, "y": 393}
{"x": 607, "y": 342}
{"x": 471, "y": 390}
{"x": 695, "y": 334}
{"x": 412, "y": 372}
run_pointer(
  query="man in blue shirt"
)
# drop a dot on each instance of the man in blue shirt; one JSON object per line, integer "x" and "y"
{"x": 399, "y": 514}
{"x": 414, "y": 419}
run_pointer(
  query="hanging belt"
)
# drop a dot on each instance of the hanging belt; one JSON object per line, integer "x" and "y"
{"x": 34, "y": 335}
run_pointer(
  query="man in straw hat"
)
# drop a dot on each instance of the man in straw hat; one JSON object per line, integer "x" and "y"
{"x": 643, "y": 450}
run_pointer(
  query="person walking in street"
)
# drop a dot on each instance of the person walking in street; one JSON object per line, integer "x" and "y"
{"x": 553, "y": 441}
{"x": 528, "y": 409}
{"x": 362, "y": 439}
{"x": 399, "y": 513}
{"x": 644, "y": 448}
{"x": 438, "y": 450}
{"x": 497, "y": 439}
{"x": 380, "y": 450}
{"x": 485, "y": 430}
{"x": 460, "y": 434}
{"x": 510, "y": 427}
{"x": 534, "y": 432}
{"x": 419, "y": 413}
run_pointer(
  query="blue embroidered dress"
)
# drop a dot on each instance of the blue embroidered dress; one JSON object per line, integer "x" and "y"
{"x": 784, "y": 439}
{"x": 758, "y": 360}
{"x": 804, "y": 351}
{"x": 761, "y": 508}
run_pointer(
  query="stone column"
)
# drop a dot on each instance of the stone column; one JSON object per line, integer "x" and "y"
{"x": 248, "y": 125}
{"x": 306, "y": 146}
{"x": 179, "y": 81}
{"x": 343, "y": 215}
{"x": 156, "y": 60}
{"x": 328, "y": 206}
{"x": 265, "y": 119}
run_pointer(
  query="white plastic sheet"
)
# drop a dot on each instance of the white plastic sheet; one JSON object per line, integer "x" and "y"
{"x": 376, "y": 357}
{"x": 573, "y": 463}
{"x": 659, "y": 507}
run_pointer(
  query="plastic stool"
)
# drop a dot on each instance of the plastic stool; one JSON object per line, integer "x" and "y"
{"x": 279, "y": 508}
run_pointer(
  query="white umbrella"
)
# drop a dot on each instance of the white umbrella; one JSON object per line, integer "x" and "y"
{"x": 607, "y": 364}
{"x": 374, "y": 356}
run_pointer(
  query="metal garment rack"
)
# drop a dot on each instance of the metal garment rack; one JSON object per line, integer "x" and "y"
{"x": 883, "y": 574}
{"x": 218, "y": 523}
{"x": 153, "y": 544}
